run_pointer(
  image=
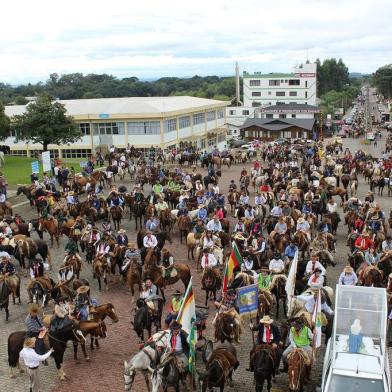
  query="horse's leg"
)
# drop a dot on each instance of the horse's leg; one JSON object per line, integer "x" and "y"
{"x": 207, "y": 292}
{"x": 75, "y": 349}
{"x": 7, "y": 313}
{"x": 145, "y": 374}
{"x": 99, "y": 283}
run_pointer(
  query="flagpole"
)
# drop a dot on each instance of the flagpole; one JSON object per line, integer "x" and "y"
{"x": 315, "y": 327}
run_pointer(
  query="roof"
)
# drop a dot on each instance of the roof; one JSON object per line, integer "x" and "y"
{"x": 277, "y": 124}
{"x": 156, "y": 106}
{"x": 291, "y": 107}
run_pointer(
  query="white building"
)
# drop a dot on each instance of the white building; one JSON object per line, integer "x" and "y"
{"x": 290, "y": 110}
{"x": 140, "y": 121}
{"x": 281, "y": 88}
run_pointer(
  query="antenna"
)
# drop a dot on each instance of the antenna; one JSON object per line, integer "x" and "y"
{"x": 237, "y": 84}
{"x": 307, "y": 54}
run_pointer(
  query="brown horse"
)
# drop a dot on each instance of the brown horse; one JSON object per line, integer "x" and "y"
{"x": 301, "y": 239}
{"x": 101, "y": 269}
{"x": 116, "y": 214}
{"x": 134, "y": 276}
{"x": 51, "y": 226}
{"x": 233, "y": 198}
{"x": 74, "y": 262}
{"x": 266, "y": 301}
{"x": 89, "y": 327}
{"x": 9, "y": 285}
{"x": 210, "y": 282}
{"x": 227, "y": 327}
{"x": 191, "y": 243}
{"x": 372, "y": 278}
{"x": 299, "y": 370}
{"x": 184, "y": 225}
{"x": 183, "y": 274}
{"x": 165, "y": 220}
{"x": 349, "y": 220}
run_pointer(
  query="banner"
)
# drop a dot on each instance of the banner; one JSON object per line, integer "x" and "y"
{"x": 35, "y": 167}
{"x": 248, "y": 299}
{"x": 46, "y": 162}
{"x": 290, "y": 283}
{"x": 235, "y": 261}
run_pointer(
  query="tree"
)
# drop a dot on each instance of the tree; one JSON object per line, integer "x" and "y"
{"x": 45, "y": 122}
{"x": 19, "y": 100}
{"x": 4, "y": 123}
{"x": 382, "y": 80}
{"x": 331, "y": 75}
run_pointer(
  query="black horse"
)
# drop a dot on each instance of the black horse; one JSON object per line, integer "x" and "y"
{"x": 144, "y": 317}
{"x": 263, "y": 366}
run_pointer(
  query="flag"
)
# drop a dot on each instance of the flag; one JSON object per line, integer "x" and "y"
{"x": 290, "y": 283}
{"x": 248, "y": 300}
{"x": 316, "y": 320}
{"x": 187, "y": 317}
{"x": 235, "y": 260}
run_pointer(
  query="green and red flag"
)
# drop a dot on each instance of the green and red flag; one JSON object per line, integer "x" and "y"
{"x": 235, "y": 261}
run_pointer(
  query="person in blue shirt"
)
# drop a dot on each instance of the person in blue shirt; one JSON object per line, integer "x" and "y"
{"x": 290, "y": 250}
{"x": 220, "y": 199}
{"x": 202, "y": 213}
{"x": 307, "y": 208}
{"x": 183, "y": 210}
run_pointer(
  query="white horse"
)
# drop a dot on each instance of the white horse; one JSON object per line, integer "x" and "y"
{"x": 141, "y": 361}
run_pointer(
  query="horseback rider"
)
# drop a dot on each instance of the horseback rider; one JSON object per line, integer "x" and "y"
{"x": 178, "y": 343}
{"x": 83, "y": 302}
{"x": 264, "y": 279}
{"x": 267, "y": 335}
{"x": 167, "y": 267}
{"x": 115, "y": 200}
{"x": 320, "y": 244}
{"x": 363, "y": 243}
{"x": 152, "y": 224}
{"x": 6, "y": 267}
{"x": 149, "y": 241}
{"x": 161, "y": 205}
{"x": 208, "y": 260}
{"x": 300, "y": 337}
{"x": 71, "y": 199}
{"x": 304, "y": 227}
{"x": 280, "y": 228}
{"x": 149, "y": 294}
{"x": 290, "y": 251}
{"x": 316, "y": 280}
{"x": 35, "y": 326}
{"x": 71, "y": 249}
{"x": 244, "y": 199}
{"x": 132, "y": 253}
{"x": 107, "y": 228}
{"x": 240, "y": 226}
{"x": 202, "y": 212}
{"x": 232, "y": 186}
{"x": 214, "y": 225}
{"x": 122, "y": 238}
{"x": 348, "y": 277}
{"x": 37, "y": 268}
{"x": 174, "y": 307}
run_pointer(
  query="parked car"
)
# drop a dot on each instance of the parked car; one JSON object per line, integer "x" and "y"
{"x": 237, "y": 143}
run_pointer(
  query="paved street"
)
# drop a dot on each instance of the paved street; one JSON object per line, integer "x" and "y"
{"x": 104, "y": 371}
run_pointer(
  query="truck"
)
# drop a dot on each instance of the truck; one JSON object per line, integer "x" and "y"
{"x": 356, "y": 357}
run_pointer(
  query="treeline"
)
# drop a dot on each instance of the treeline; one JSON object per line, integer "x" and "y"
{"x": 78, "y": 86}
{"x": 382, "y": 80}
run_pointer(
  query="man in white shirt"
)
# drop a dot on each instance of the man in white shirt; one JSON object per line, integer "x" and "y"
{"x": 260, "y": 200}
{"x": 214, "y": 225}
{"x": 149, "y": 240}
{"x": 249, "y": 213}
{"x": 208, "y": 260}
{"x": 32, "y": 361}
{"x": 303, "y": 225}
{"x": 276, "y": 211}
{"x": 316, "y": 280}
{"x": 314, "y": 264}
{"x": 276, "y": 265}
{"x": 310, "y": 301}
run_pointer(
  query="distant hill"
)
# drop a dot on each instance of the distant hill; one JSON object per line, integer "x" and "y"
{"x": 357, "y": 75}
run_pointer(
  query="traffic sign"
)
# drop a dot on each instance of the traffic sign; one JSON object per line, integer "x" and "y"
{"x": 35, "y": 167}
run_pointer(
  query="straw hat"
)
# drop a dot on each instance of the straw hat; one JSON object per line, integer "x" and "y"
{"x": 131, "y": 245}
{"x": 83, "y": 289}
{"x": 266, "y": 320}
{"x": 71, "y": 193}
{"x": 348, "y": 269}
{"x": 29, "y": 342}
{"x": 301, "y": 220}
{"x": 165, "y": 250}
{"x": 34, "y": 309}
{"x": 122, "y": 231}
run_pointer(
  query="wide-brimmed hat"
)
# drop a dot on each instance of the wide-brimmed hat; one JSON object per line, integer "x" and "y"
{"x": 314, "y": 254}
{"x": 165, "y": 250}
{"x": 71, "y": 193}
{"x": 5, "y": 255}
{"x": 348, "y": 269}
{"x": 34, "y": 308}
{"x": 131, "y": 245}
{"x": 175, "y": 325}
{"x": 201, "y": 205}
{"x": 122, "y": 231}
{"x": 301, "y": 219}
{"x": 83, "y": 289}
{"x": 29, "y": 342}
{"x": 266, "y": 320}
{"x": 365, "y": 233}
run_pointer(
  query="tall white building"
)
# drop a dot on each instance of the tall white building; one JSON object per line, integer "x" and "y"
{"x": 300, "y": 87}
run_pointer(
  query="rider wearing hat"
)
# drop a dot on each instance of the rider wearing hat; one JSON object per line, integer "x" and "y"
{"x": 348, "y": 277}
{"x": 178, "y": 343}
{"x": 264, "y": 279}
{"x": 316, "y": 280}
{"x": 149, "y": 292}
{"x": 6, "y": 267}
{"x": 122, "y": 238}
{"x": 167, "y": 264}
{"x": 267, "y": 334}
{"x": 314, "y": 264}
{"x": 35, "y": 326}
{"x": 174, "y": 307}
{"x": 82, "y": 302}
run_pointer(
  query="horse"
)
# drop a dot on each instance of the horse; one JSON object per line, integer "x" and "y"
{"x": 139, "y": 210}
{"x": 372, "y": 278}
{"x": 184, "y": 225}
{"x": 226, "y": 328}
{"x": 52, "y": 228}
{"x": 263, "y": 365}
{"x": 356, "y": 260}
{"x": 191, "y": 243}
{"x": 265, "y": 303}
{"x": 302, "y": 240}
{"x": 298, "y": 371}
{"x": 210, "y": 282}
{"x": 219, "y": 368}
{"x": 233, "y": 198}
{"x": 183, "y": 274}
{"x": 144, "y": 318}
{"x": 279, "y": 291}
{"x": 116, "y": 214}
{"x": 134, "y": 275}
{"x": 100, "y": 270}
{"x": 9, "y": 285}
{"x": 165, "y": 220}
{"x": 40, "y": 290}
{"x": 57, "y": 340}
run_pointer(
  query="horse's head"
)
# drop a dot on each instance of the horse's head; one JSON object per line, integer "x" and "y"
{"x": 111, "y": 313}
{"x": 129, "y": 375}
{"x": 156, "y": 377}
{"x": 21, "y": 189}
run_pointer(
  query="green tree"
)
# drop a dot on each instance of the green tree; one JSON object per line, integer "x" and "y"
{"x": 19, "y": 100}
{"x": 4, "y": 123}
{"x": 45, "y": 122}
{"x": 382, "y": 80}
{"x": 331, "y": 75}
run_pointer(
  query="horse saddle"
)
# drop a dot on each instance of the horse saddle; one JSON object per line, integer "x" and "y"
{"x": 45, "y": 283}
{"x": 57, "y": 324}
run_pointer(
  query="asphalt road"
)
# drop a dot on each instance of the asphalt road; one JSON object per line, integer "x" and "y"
{"x": 104, "y": 371}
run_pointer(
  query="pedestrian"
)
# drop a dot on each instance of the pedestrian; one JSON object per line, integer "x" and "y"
{"x": 32, "y": 361}
{"x": 375, "y": 142}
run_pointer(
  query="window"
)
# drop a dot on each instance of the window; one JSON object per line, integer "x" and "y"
{"x": 211, "y": 116}
{"x": 78, "y": 153}
{"x": 256, "y": 94}
{"x": 110, "y": 128}
{"x": 184, "y": 122}
{"x": 306, "y": 83}
{"x": 245, "y": 112}
{"x": 232, "y": 112}
{"x": 293, "y": 116}
{"x": 269, "y": 115}
{"x": 285, "y": 81}
{"x": 221, "y": 113}
{"x": 274, "y": 82}
{"x": 13, "y": 133}
{"x": 84, "y": 128}
{"x": 203, "y": 143}
{"x": 254, "y": 83}
{"x": 281, "y": 81}
{"x": 280, "y": 93}
{"x": 293, "y": 93}
{"x": 256, "y": 104}
{"x": 286, "y": 134}
{"x": 294, "y": 82}
{"x": 212, "y": 141}
{"x": 19, "y": 152}
{"x": 221, "y": 137}
{"x": 144, "y": 128}
{"x": 54, "y": 153}
{"x": 306, "y": 94}
{"x": 269, "y": 92}
{"x": 281, "y": 115}
{"x": 170, "y": 125}
{"x": 199, "y": 118}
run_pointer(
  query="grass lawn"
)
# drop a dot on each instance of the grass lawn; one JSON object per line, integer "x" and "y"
{"x": 18, "y": 169}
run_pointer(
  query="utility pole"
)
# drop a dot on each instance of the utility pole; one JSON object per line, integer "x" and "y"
{"x": 321, "y": 138}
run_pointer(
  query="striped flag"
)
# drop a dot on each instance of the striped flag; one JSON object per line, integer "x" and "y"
{"x": 187, "y": 317}
{"x": 235, "y": 261}
{"x": 316, "y": 320}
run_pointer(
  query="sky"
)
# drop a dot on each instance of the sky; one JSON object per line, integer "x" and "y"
{"x": 155, "y": 38}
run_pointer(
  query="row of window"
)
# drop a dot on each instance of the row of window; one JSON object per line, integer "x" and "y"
{"x": 281, "y": 115}
{"x": 279, "y": 93}
{"x": 256, "y": 104}
{"x": 274, "y": 82}
{"x": 244, "y": 112}
{"x": 78, "y": 153}
{"x": 144, "y": 128}
{"x": 109, "y": 128}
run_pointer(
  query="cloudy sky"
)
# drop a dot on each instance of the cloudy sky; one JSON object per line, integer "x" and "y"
{"x": 154, "y": 38}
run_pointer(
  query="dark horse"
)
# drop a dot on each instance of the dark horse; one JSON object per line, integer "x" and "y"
{"x": 116, "y": 214}
{"x": 210, "y": 282}
{"x": 263, "y": 365}
{"x": 9, "y": 287}
{"x": 57, "y": 340}
{"x": 280, "y": 294}
{"x": 144, "y": 317}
